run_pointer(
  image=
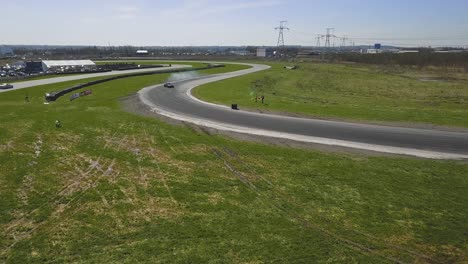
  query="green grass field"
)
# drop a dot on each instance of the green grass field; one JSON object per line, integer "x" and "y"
{"x": 350, "y": 92}
{"x": 110, "y": 186}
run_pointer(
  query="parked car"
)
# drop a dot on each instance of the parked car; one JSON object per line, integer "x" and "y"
{"x": 169, "y": 85}
{"x": 5, "y": 86}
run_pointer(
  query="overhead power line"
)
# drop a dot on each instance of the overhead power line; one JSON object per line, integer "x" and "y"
{"x": 387, "y": 38}
{"x": 321, "y": 40}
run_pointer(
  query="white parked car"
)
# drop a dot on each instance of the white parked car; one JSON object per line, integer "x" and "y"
{"x": 6, "y": 86}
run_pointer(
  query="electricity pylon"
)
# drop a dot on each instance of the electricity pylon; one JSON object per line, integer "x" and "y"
{"x": 281, "y": 28}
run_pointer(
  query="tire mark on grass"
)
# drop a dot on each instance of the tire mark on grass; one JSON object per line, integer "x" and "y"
{"x": 247, "y": 166}
{"x": 53, "y": 200}
{"x": 162, "y": 176}
{"x": 137, "y": 152}
{"x": 284, "y": 197}
{"x": 124, "y": 139}
{"x": 92, "y": 183}
{"x": 59, "y": 209}
{"x": 181, "y": 142}
{"x": 113, "y": 135}
{"x": 164, "y": 136}
{"x": 288, "y": 211}
{"x": 56, "y": 197}
{"x": 234, "y": 171}
{"x": 22, "y": 194}
{"x": 8, "y": 146}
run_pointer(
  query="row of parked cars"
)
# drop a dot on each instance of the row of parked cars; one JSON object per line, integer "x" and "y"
{"x": 12, "y": 73}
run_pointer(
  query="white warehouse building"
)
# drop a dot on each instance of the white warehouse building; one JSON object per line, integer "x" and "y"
{"x": 61, "y": 65}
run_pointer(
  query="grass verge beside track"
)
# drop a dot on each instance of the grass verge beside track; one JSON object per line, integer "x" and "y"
{"x": 110, "y": 186}
{"x": 350, "y": 92}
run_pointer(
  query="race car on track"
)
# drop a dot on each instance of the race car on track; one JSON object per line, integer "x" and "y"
{"x": 169, "y": 85}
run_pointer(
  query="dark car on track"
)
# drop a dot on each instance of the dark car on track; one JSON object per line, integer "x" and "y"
{"x": 5, "y": 86}
{"x": 169, "y": 85}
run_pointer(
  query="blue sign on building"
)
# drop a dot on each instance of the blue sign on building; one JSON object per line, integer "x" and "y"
{"x": 377, "y": 46}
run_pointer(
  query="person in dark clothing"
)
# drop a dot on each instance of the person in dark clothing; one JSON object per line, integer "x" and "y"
{"x": 263, "y": 98}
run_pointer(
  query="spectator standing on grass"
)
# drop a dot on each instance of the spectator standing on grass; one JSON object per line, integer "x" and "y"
{"x": 263, "y": 98}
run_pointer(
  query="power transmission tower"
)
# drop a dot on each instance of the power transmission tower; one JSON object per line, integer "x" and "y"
{"x": 281, "y": 28}
{"x": 319, "y": 37}
{"x": 343, "y": 41}
{"x": 328, "y": 36}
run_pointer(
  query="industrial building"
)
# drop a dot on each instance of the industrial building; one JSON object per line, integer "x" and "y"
{"x": 59, "y": 66}
{"x": 142, "y": 52}
{"x": 264, "y": 52}
{"x": 261, "y": 52}
{"x": 239, "y": 52}
{"x": 68, "y": 65}
{"x": 6, "y": 51}
{"x": 33, "y": 67}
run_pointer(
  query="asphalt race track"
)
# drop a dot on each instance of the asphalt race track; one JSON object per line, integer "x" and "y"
{"x": 178, "y": 103}
{"x": 27, "y": 84}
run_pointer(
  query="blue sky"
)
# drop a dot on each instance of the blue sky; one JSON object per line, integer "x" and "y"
{"x": 226, "y": 22}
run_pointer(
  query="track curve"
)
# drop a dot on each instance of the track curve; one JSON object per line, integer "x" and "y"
{"x": 178, "y": 103}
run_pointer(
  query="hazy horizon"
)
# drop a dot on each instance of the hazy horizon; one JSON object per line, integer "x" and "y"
{"x": 233, "y": 23}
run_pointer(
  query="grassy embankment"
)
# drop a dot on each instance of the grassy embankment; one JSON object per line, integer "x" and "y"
{"x": 110, "y": 186}
{"x": 350, "y": 92}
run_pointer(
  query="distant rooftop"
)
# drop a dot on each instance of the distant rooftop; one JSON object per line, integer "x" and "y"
{"x": 58, "y": 63}
{"x": 5, "y": 50}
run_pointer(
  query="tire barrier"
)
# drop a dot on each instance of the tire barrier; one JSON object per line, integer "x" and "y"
{"x": 53, "y": 96}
